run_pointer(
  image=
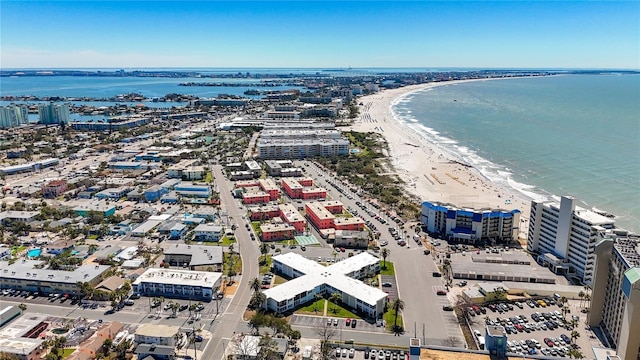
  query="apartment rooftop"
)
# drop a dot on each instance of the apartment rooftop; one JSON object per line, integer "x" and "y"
{"x": 629, "y": 247}
{"x": 200, "y": 254}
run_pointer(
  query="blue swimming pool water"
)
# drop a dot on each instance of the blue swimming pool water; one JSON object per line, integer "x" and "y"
{"x": 34, "y": 253}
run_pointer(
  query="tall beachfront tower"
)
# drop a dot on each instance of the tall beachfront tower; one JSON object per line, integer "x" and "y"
{"x": 13, "y": 115}
{"x": 52, "y": 114}
{"x": 615, "y": 301}
{"x": 564, "y": 236}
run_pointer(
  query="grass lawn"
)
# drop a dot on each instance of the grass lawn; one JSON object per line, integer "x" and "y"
{"x": 234, "y": 259}
{"x": 256, "y": 228}
{"x": 340, "y": 312}
{"x": 17, "y": 249}
{"x": 265, "y": 268}
{"x": 389, "y": 270}
{"x": 66, "y": 352}
{"x": 389, "y": 316}
{"x": 313, "y": 308}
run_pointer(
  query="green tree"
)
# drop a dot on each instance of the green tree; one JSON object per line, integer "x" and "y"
{"x": 255, "y": 284}
{"x": 335, "y": 298}
{"x": 397, "y": 305}
{"x": 257, "y": 299}
{"x": 385, "y": 254}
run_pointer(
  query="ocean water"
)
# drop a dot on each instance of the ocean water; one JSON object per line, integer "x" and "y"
{"x": 564, "y": 135}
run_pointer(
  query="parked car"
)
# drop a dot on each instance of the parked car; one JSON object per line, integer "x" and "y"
{"x": 441, "y": 292}
{"x": 386, "y": 284}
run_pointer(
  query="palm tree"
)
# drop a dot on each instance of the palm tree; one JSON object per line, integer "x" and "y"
{"x": 264, "y": 249}
{"x": 397, "y": 305}
{"x": 565, "y": 311}
{"x": 255, "y": 284}
{"x": 574, "y": 335}
{"x": 581, "y": 295}
{"x": 385, "y": 254}
{"x": 335, "y": 298}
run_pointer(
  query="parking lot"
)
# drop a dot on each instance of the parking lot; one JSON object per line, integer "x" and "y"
{"x": 338, "y": 323}
{"x": 368, "y": 354}
{"x": 533, "y": 328}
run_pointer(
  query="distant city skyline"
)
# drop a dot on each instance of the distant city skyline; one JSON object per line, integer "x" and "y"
{"x": 144, "y": 34}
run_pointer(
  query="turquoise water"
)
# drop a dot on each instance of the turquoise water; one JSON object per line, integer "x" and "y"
{"x": 33, "y": 253}
{"x": 575, "y": 134}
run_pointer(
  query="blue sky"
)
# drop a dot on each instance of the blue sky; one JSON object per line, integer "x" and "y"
{"x": 38, "y": 34}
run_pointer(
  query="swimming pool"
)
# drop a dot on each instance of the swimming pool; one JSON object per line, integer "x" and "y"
{"x": 33, "y": 253}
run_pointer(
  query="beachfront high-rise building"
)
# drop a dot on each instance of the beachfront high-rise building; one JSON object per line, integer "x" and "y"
{"x": 470, "y": 225}
{"x": 615, "y": 296}
{"x": 53, "y": 114}
{"x": 564, "y": 236}
{"x": 13, "y": 115}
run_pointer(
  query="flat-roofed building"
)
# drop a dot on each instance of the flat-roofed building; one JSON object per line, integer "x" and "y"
{"x": 276, "y": 232}
{"x": 83, "y": 208}
{"x": 207, "y": 232}
{"x": 283, "y": 148}
{"x": 19, "y": 339}
{"x": 14, "y": 216}
{"x": 333, "y": 206}
{"x": 54, "y": 188}
{"x": 255, "y": 196}
{"x": 311, "y": 278}
{"x": 263, "y": 212}
{"x": 24, "y": 275}
{"x": 292, "y": 216}
{"x": 348, "y": 223}
{"x": 615, "y": 295}
{"x": 181, "y": 284}
{"x": 292, "y": 188}
{"x": 314, "y": 193}
{"x": 564, "y": 235}
{"x": 319, "y": 216}
{"x": 351, "y": 239}
{"x": 189, "y": 189}
{"x": 270, "y": 187}
{"x": 195, "y": 257}
{"x": 470, "y": 225}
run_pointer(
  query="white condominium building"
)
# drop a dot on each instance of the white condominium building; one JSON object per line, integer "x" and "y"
{"x": 615, "y": 299}
{"x": 564, "y": 235}
{"x": 309, "y": 278}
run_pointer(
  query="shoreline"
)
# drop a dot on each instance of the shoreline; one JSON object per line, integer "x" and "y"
{"x": 430, "y": 172}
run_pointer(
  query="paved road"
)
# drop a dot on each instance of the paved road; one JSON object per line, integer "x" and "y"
{"x": 231, "y": 320}
{"x": 415, "y": 284}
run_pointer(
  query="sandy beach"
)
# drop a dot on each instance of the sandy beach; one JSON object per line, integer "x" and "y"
{"x": 428, "y": 171}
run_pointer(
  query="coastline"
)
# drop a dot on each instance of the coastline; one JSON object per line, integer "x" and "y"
{"x": 432, "y": 174}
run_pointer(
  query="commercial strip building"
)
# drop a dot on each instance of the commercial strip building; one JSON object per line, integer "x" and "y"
{"x": 33, "y": 166}
{"x": 564, "y": 235}
{"x": 309, "y": 278}
{"x": 24, "y": 275}
{"x": 615, "y": 296}
{"x": 506, "y": 266}
{"x": 180, "y": 284}
{"x": 470, "y": 225}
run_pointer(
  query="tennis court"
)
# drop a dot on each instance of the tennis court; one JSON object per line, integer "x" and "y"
{"x": 307, "y": 240}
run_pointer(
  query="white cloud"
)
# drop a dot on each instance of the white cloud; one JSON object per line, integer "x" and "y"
{"x": 33, "y": 58}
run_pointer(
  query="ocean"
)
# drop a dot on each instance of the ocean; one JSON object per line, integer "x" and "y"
{"x": 547, "y": 136}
